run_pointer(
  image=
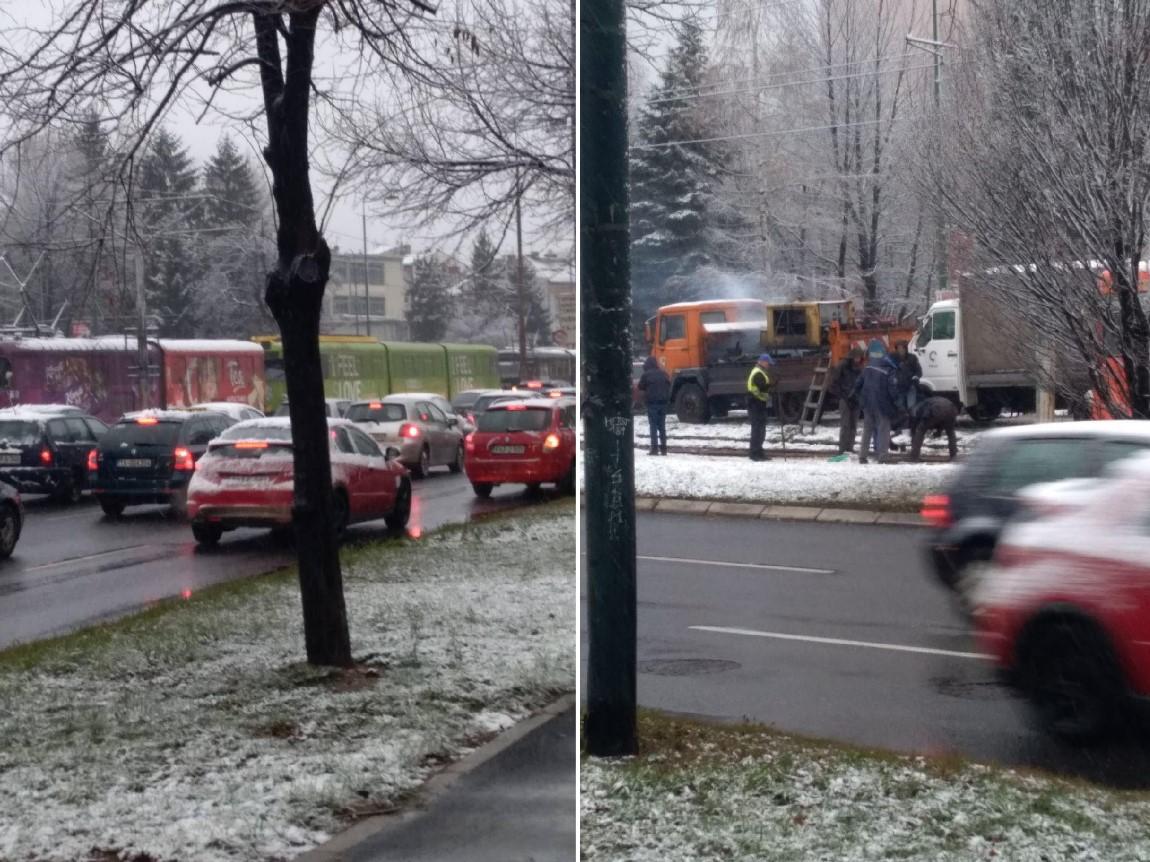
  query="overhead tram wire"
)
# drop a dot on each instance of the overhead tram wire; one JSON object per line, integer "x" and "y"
{"x": 770, "y": 134}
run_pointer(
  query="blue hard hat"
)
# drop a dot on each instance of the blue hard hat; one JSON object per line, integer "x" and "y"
{"x": 766, "y": 357}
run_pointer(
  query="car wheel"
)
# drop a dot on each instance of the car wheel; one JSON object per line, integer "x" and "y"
{"x": 421, "y": 469}
{"x": 401, "y": 511}
{"x": 456, "y": 466}
{"x": 567, "y": 483}
{"x": 340, "y": 513}
{"x": 9, "y": 531}
{"x": 69, "y": 491}
{"x": 283, "y": 535}
{"x": 207, "y": 535}
{"x": 533, "y": 487}
{"x": 112, "y": 508}
{"x": 482, "y": 489}
{"x": 1072, "y": 681}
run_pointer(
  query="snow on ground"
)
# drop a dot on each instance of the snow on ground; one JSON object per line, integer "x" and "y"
{"x": 198, "y": 734}
{"x": 762, "y": 797}
{"x": 806, "y": 481}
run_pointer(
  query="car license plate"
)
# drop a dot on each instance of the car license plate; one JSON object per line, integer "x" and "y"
{"x": 507, "y": 450}
{"x": 134, "y": 463}
{"x": 10, "y": 459}
{"x": 246, "y": 480}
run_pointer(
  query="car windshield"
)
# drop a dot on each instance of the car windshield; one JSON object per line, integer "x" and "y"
{"x": 486, "y": 401}
{"x": 257, "y": 432}
{"x": 18, "y": 433}
{"x": 136, "y": 434}
{"x": 376, "y": 412}
{"x": 529, "y": 419}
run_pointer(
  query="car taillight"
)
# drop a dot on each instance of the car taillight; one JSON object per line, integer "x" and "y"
{"x": 470, "y": 418}
{"x": 182, "y": 459}
{"x": 93, "y": 460}
{"x": 409, "y": 430}
{"x": 551, "y": 441}
{"x": 469, "y": 442}
{"x": 46, "y": 457}
{"x": 936, "y": 510}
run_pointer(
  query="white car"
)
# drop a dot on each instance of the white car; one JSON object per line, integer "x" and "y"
{"x": 231, "y": 409}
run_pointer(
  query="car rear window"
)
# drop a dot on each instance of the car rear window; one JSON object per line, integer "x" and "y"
{"x": 486, "y": 401}
{"x": 464, "y": 400}
{"x": 378, "y": 413}
{"x": 531, "y": 419}
{"x": 135, "y": 434}
{"x": 17, "y": 433}
{"x": 257, "y": 432}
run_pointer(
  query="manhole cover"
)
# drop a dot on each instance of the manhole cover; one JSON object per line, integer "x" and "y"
{"x": 685, "y": 666}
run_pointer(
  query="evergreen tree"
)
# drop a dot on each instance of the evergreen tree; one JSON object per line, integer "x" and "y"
{"x": 671, "y": 181}
{"x": 166, "y": 183}
{"x": 538, "y": 318}
{"x": 233, "y": 198}
{"x": 486, "y": 288}
{"x": 429, "y": 305}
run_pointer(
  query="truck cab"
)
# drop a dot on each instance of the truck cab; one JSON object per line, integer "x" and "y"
{"x": 676, "y": 335}
{"x": 938, "y": 347}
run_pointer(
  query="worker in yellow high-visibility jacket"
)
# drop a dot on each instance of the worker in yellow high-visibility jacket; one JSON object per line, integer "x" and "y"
{"x": 758, "y": 395}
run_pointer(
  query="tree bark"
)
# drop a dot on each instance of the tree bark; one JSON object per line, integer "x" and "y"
{"x": 295, "y": 296}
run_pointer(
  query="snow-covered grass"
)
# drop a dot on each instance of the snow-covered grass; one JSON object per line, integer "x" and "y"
{"x": 195, "y": 732}
{"x": 744, "y": 793}
{"x": 799, "y": 482}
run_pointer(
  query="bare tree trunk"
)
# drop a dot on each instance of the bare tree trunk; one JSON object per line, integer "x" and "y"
{"x": 295, "y": 296}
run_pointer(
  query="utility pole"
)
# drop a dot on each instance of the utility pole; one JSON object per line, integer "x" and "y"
{"x": 524, "y": 372}
{"x": 366, "y": 293}
{"x": 141, "y": 329}
{"x": 609, "y": 433}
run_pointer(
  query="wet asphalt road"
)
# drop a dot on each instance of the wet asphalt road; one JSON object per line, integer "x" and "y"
{"x": 73, "y": 566}
{"x": 867, "y": 593}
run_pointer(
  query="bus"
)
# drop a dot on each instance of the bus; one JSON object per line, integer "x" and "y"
{"x": 358, "y": 366}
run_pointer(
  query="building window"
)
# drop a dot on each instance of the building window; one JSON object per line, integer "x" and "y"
{"x": 353, "y": 306}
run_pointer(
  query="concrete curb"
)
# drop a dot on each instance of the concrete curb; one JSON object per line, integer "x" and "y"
{"x": 435, "y": 786}
{"x": 748, "y": 509}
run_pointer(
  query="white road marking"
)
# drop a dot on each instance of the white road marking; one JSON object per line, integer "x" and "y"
{"x": 841, "y": 642}
{"x": 725, "y": 565}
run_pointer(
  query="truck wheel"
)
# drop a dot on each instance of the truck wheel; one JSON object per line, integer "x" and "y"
{"x": 984, "y": 414}
{"x": 791, "y": 406}
{"x": 691, "y": 405}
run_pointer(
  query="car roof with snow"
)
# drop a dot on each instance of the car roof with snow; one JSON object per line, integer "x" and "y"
{"x": 1095, "y": 428}
{"x": 43, "y": 409}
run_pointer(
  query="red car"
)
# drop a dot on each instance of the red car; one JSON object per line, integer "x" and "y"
{"x": 1064, "y": 609}
{"x": 245, "y": 480}
{"x": 523, "y": 442}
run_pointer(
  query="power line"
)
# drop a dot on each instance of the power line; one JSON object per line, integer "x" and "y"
{"x": 771, "y": 134}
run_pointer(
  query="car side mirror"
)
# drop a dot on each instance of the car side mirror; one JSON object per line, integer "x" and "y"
{"x": 453, "y": 421}
{"x": 391, "y": 453}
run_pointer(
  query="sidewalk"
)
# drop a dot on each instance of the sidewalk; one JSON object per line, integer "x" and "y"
{"x": 511, "y": 801}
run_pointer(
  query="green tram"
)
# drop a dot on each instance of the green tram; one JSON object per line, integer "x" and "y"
{"x": 358, "y": 366}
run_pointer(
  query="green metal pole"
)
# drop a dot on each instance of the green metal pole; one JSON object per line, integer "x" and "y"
{"x": 608, "y": 432}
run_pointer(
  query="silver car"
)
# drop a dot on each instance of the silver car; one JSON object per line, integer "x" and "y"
{"x": 447, "y": 407}
{"x": 425, "y": 436}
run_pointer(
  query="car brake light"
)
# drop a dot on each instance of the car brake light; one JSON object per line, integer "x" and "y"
{"x": 182, "y": 459}
{"x": 93, "y": 460}
{"x": 516, "y": 407}
{"x": 534, "y": 384}
{"x": 374, "y": 405}
{"x": 409, "y": 430}
{"x": 551, "y": 441}
{"x": 147, "y": 420}
{"x": 469, "y": 442}
{"x": 936, "y": 510}
{"x": 46, "y": 457}
{"x": 251, "y": 444}
{"x": 554, "y": 393}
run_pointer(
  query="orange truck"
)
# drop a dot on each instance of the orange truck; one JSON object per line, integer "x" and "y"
{"x": 708, "y": 349}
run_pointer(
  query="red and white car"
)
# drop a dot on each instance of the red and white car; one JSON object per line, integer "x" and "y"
{"x": 523, "y": 442}
{"x": 1064, "y": 609}
{"x": 245, "y": 479}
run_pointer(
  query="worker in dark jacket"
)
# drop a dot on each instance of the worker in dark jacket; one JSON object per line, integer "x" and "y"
{"x": 909, "y": 373}
{"x": 758, "y": 397}
{"x": 655, "y": 384}
{"x": 846, "y": 375}
{"x": 935, "y": 414}
{"x": 877, "y": 393}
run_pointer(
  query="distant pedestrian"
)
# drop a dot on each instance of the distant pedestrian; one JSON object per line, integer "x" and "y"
{"x": 877, "y": 393}
{"x": 655, "y": 384}
{"x": 935, "y": 414}
{"x": 909, "y": 374}
{"x": 846, "y": 375}
{"x": 758, "y": 395}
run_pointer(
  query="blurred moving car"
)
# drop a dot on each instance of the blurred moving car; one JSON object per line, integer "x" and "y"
{"x": 1065, "y": 607}
{"x": 983, "y": 493}
{"x": 11, "y": 519}
{"x": 246, "y": 479}
{"x": 233, "y": 409}
{"x": 333, "y": 407}
{"x": 523, "y": 442}
{"x": 47, "y": 452}
{"x": 424, "y": 435}
{"x": 150, "y": 456}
